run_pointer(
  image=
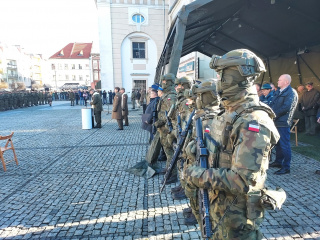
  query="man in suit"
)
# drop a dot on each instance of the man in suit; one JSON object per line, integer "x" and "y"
{"x": 97, "y": 107}
{"x": 117, "y": 111}
{"x": 124, "y": 106}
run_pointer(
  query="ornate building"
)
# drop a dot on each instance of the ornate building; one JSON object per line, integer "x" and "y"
{"x": 132, "y": 34}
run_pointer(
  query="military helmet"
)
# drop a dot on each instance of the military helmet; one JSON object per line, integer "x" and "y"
{"x": 206, "y": 93}
{"x": 169, "y": 77}
{"x": 185, "y": 81}
{"x": 247, "y": 63}
{"x": 208, "y": 85}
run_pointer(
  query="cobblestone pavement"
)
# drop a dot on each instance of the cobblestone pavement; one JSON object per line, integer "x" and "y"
{"x": 71, "y": 184}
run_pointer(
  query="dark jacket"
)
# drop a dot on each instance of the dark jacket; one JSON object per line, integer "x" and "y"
{"x": 309, "y": 102}
{"x": 149, "y": 111}
{"x": 267, "y": 99}
{"x": 283, "y": 104}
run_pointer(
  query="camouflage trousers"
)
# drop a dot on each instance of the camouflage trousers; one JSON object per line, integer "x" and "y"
{"x": 235, "y": 224}
{"x": 167, "y": 147}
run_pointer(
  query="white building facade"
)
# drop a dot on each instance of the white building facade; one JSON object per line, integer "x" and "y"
{"x": 71, "y": 66}
{"x": 132, "y": 34}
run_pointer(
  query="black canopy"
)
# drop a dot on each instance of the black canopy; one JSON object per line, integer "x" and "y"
{"x": 270, "y": 28}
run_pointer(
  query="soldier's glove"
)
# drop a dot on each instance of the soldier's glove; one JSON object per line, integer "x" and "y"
{"x": 159, "y": 123}
{"x": 170, "y": 138}
{"x": 193, "y": 176}
{"x": 190, "y": 191}
{"x": 191, "y": 149}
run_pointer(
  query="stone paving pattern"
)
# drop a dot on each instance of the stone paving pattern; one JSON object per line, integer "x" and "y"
{"x": 71, "y": 184}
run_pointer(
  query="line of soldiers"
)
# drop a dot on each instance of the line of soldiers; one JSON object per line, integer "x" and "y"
{"x": 20, "y": 99}
{"x": 238, "y": 133}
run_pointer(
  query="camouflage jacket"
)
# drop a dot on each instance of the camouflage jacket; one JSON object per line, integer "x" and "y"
{"x": 245, "y": 137}
{"x": 165, "y": 103}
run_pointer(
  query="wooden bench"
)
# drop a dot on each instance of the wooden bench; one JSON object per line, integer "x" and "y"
{"x": 7, "y": 146}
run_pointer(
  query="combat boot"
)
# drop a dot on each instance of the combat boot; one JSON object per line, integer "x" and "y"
{"x": 176, "y": 189}
{"x": 179, "y": 195}
{"x": 162, "y": 156}
{"x": 186, "y": 211}
{"x": 190, "y": 220}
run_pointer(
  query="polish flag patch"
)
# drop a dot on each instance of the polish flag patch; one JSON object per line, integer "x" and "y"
{"x": 254, "y": 127}
{"x": 207, "y": 130}
{"x": 169, "y": 98}
{"x": 187, "y": 104}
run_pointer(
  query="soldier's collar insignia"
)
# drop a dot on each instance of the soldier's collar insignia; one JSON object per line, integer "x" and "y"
{"x": 254, "y": 126}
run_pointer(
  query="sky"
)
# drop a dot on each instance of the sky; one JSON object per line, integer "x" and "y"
{"x": 46, "y": 26}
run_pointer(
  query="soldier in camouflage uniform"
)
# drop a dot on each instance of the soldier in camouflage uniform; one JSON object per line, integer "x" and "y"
{"x": 72, "y": 97}
{"x": 207, "y": 105}
{"x": 45, "y": 97}
{"x": 10, "y": 101}
{"x": 166, "y": 102}
{"x": 6, "y": 100}
{"x": 41, "y": 97}
{"x": 1, "y": 101}
{"x": 181, "y": 108}
{"x": 245, "y": 134}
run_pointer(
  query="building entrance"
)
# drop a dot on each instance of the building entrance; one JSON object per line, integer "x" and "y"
{"x": 139, "y": 85}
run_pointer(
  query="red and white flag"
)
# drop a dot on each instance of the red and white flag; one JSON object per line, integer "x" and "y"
{"x": 207, "y": 130}
{"x": 254, "y": 127}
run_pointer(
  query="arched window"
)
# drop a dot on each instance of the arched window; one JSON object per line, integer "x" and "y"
{"x": 138, "y": 18}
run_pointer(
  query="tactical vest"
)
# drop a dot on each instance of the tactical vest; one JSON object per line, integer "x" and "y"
{"x": 220, "y": 146}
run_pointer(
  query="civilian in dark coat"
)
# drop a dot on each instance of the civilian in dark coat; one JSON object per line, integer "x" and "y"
{"x": 283, "y": 104}
{"x": 267, "y": 94}
{"x": 117, "y": 111}
{"x": 309, "y": 107}
{"x": 152, "y": 106}
{"x": 110, "y": 95}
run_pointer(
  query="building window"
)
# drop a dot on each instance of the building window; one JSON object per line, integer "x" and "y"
{"x": 87, "y": 66}
{"x": 67, "y": 77}
{"x": 138, "y": 18}
{"x": 80, "y": 78}
{"x": 60, "y": 66}
{"x": 80, "y": 67}
{"x": 66, "y": 67}
{"x": 53, "y": 67}
{"x": 74, "y": 77}
{"x": 73, "y": 66}
{"x": 138, "y": 50}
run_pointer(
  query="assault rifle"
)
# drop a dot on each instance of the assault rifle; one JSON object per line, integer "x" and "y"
{"x": 202, "y": 155}
{"x": 179, "y": 125}
{"x": 169, "y": 123}
{"x": 177, "y": 151}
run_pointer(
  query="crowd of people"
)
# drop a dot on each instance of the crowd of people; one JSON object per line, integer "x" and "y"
{"x": 307, "y": 110}
{"x": 10, "y": 100}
